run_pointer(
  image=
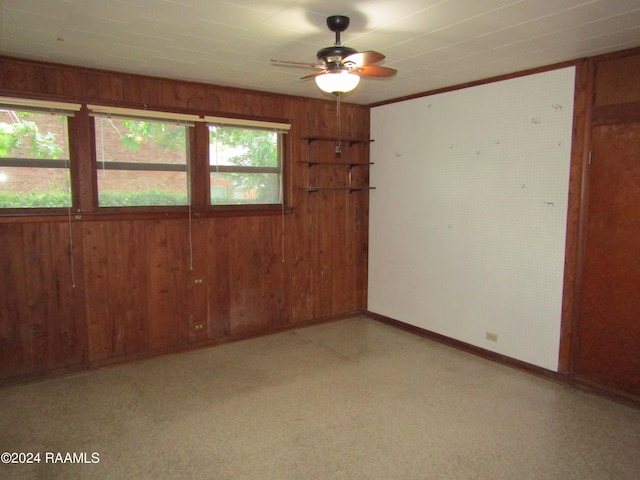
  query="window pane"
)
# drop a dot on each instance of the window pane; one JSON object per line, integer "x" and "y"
{"x": 233, "y": 151}
{"x": 34, "y": 160}
{"x": 34, "y": 187}
{"x": 141, "y": 163}
{"x": 242, "y": 147}
{"x": 245, "y": 188}
{"x": 122, "y": 188}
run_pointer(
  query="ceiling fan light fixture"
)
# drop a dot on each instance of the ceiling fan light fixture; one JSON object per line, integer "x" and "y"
{"x": 337, "y": 82}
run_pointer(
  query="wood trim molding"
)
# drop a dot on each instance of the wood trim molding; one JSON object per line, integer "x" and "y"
{"x": 575, "y": 213}
{"x": 89, "y": 365}
{"x": 467, "y": 347}
{"x": 484, "y": 81}
{"x": 559, "y": 377}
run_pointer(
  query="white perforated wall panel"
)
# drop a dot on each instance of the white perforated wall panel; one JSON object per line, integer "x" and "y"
{"x": 468, "y": 218}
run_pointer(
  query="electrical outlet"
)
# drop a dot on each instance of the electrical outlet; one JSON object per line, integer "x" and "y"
{"x": 198, "y": 326}
{"x": 492, "y": 337}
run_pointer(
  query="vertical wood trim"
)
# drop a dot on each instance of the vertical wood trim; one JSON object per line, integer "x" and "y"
{"x": 83, "y": 158}
{"x": 74, "y": 129}
{"x": 199, "y": 162}
{"x": 576, "y": 215}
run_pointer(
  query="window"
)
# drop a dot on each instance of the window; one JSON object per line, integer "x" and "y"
{"x": 34, "y": 154}
{"x": 245, "y": 161}
{"x": 142, "y": 157}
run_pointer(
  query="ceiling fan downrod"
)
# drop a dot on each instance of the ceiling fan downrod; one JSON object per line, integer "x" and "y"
{"x": 334, "y": 54}
{"x": 338, "y": 24}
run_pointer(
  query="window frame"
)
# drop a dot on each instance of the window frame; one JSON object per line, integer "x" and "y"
{"x": 157, "y": 116}
{"x": 281, "y": 130}
{"x": 62, "y": 109}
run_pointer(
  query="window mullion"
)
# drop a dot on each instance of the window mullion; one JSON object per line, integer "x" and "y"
{"x": 242, "y": 169}
{"x": 34, "y": 163}
{"x": 144, "y": 167}
{"x": 199, "y": 162}
{"x": 82, "y": 158}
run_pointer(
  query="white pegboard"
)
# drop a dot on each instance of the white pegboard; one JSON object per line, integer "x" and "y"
{"x": 468, "y": 219}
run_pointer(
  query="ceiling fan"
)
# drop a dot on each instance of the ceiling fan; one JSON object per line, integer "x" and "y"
{"x": 341, "y": 67}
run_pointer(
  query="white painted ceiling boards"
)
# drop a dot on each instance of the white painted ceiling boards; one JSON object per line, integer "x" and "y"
{"x": 433, "y": 43}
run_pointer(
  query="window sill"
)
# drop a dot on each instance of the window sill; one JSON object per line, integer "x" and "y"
{"x": 140, "y": 213}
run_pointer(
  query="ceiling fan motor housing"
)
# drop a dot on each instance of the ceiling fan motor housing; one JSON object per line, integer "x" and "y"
{"x": 334, "y": 53}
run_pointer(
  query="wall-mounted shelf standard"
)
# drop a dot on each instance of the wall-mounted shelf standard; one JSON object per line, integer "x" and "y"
{"x": 348, "y": 164}
{"x": 350, "y": 189}
{"x": 350, "y": 141}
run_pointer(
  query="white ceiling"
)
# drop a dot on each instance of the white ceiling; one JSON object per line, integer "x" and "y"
{"x": 432, "y": 43}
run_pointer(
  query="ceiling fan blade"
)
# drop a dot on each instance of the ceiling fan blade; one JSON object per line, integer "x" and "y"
{"x": 376, "y": 71}
{"x": 313, "y": 75}
{"x": 363, "y": 58}
{"x": 286, "y": 63}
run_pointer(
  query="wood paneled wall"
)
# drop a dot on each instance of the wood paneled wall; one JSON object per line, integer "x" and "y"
{"x": 90, "y": 289}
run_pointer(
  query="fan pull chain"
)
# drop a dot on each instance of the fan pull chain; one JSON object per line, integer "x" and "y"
{"x": 339, "y": 145}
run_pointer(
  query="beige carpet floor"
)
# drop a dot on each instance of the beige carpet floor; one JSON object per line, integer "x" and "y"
{"x": 354, "y": 399}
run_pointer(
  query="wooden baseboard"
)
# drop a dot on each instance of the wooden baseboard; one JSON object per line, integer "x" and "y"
{"x": 609, "y": 393}
{"x": 564, "y": 378}
{"x": 211, "y": 342}
{"x": 467, "y": 347}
